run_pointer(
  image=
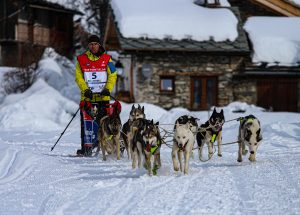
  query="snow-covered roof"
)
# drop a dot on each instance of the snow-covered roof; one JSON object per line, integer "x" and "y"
{"x": 61, "y": 5}
{"x": 175, "y": 19}
{"x": 296, "y": 2}
{"x": 275, "y": 40}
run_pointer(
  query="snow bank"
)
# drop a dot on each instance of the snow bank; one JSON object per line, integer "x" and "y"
{"x": 58, "y": 71}
{"x": 39, "y": 108}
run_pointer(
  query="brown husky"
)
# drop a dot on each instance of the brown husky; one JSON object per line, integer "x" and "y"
{"x": 109, "y": 134}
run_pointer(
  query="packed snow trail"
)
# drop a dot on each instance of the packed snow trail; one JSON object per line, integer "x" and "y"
{"x": 34, "y": 180}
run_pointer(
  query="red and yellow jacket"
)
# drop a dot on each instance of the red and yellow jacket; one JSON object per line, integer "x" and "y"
{"x": 111, "y": 78}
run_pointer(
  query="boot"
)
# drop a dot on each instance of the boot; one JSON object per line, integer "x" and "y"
{"x": 80, "y": 152}
{"x": 88, "y": 151}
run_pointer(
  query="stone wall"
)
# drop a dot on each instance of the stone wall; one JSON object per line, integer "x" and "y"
{"x": 245, "y": 91}
{"x": 183, "y": 67}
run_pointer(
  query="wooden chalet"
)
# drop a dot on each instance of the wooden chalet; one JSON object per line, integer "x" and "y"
{"x": 275, "y": 87}
{"x": 27, "y": 27}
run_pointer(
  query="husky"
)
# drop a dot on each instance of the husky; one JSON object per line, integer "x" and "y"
{"x": 210, "y": 132}
{"x": 151, "y": 143}
{"x": 138, "y": 126}
{"x": 192, "y": 121}
{"x": 183, "y": 143}
{"x": 109, "y": 134}
{"x": 250, "y": 135}
{"x": 135, "y": 113}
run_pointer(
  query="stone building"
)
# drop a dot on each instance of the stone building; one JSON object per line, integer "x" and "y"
{"x": 197, "y": 75}
{"x": 186, "y": 73}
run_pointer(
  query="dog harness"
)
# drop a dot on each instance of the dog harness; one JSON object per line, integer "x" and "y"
{"x": 154, "y": 148}
{"x": 213, "y": 138}
{"x": 182, "y": 148}
{"x": 245, "y": 119}
{"x": 94, "y": 72}
{"x": 206, "y": 127}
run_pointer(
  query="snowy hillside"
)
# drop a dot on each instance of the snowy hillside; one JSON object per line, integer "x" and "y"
{"x": 34, "y": 180}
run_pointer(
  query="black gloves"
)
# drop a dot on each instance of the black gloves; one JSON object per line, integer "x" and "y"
{"x": 88, "y": 94}
{"x": 105, "y": 92}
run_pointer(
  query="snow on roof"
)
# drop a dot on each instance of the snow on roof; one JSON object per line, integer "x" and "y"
{"x": 64, "y": 3}
{"x": 175, "y": 19}
{"x": 297, "y": 2}
{"x": 275, "y": 40}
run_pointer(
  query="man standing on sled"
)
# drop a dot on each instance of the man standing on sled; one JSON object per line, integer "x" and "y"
{"x": 95, "y": 76}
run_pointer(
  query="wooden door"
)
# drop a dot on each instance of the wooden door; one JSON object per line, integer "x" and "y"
{"x": 203, "y": 92}
{"x": 278, "y": 94}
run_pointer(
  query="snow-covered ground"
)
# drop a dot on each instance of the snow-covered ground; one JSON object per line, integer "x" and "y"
{"x": 34, "y": 180}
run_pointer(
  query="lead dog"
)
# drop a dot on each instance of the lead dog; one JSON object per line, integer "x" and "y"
{"x": 183, "y": 142}
{"x": 210, "y": 132}
{"x": 138, "y": 126}
{"x": 151, "y": 143}
{"x": 135, "y": 113}
{"x": 250, "y": 135}
{"x": 185, "y": 119}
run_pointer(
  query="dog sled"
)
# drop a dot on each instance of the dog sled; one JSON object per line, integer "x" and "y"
{"x": 90, "y": 125}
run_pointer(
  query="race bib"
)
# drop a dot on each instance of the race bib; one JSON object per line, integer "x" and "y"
{"x": 95, "y": 80}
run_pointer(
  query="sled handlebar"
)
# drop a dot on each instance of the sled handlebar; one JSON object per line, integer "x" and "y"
{"x": 109, "y": 96}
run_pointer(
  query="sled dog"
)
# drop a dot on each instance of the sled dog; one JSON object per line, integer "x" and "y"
{"x": 151, "y": 143}
{"x": 138, "y": 127}
{"x": 135, "y": 113}
{"x": 185, "y": 119}
{"x": 250, "y": 135}
{"x": 109, "y": 134}
{"x": 183, "y": 142}
{"x": 210, "y": 132}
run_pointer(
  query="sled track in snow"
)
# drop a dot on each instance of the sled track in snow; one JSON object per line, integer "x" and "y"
{"x": 14, "y": 169}
{"x": 262, "y": 179}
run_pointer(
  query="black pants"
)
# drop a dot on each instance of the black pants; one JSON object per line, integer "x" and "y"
{"x": 101, "y": 113}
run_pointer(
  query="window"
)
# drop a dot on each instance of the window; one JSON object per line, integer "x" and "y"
{"x": 167, "y": 84}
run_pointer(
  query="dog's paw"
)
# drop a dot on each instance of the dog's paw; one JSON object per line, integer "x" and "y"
{"x": 154, "y": 170}
{"x": 239, "y": 160}
{"x": 252, "y": 159}
{"x": 220, "y": 155}
{"x": 176, "y": 168}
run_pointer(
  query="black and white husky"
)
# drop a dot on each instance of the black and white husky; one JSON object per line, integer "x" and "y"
{"x": 249, "y": 135}
{"x": 191, "y": 121}
{"x": 183, "y": 142}
{"x": 135, "y": 113}
{"x": 210, "y": 132}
